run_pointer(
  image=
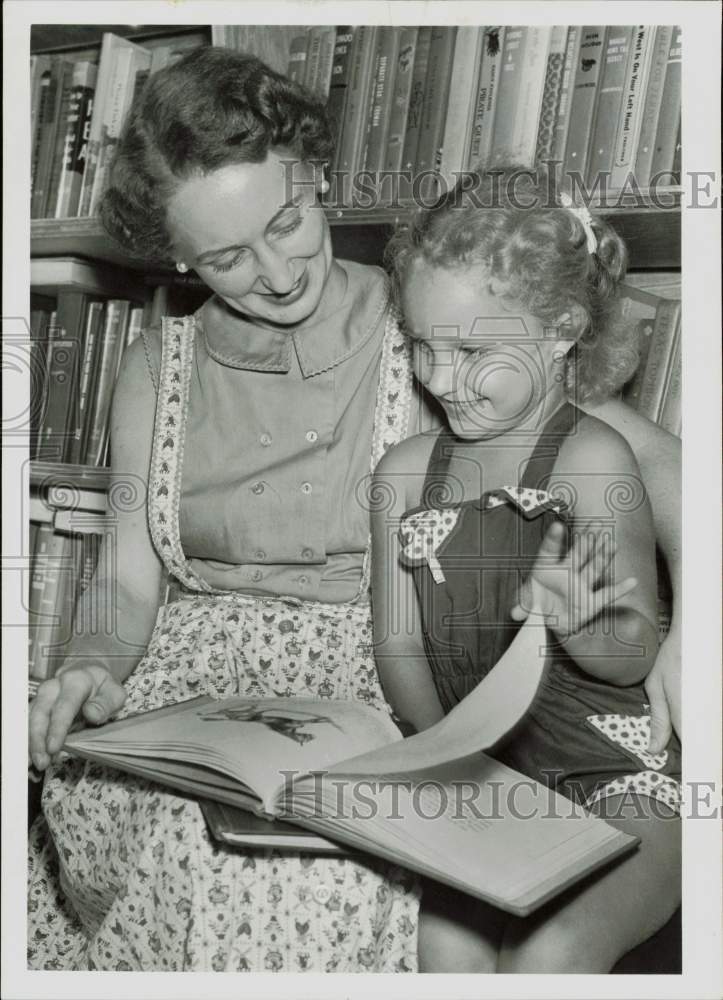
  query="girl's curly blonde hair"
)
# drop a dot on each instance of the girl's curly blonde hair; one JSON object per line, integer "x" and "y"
{"x": 510, "y": 222}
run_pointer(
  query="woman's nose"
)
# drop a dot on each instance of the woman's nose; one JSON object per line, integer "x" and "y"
{"x": 276, "y": 273}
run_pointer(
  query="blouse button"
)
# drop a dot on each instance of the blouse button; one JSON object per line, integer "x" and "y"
{"x": 312, "y": 436}
{"x": 260, "y": 555}
{"x": 322, "y": 894}
{"x": 257, "y": 575}
{"x": 306, "y": 488}
{"x": 307, "y": 554}
{"x": 257, "y": 488}
{"x": 265, "y": 440}
{"x": 303, "y": 580}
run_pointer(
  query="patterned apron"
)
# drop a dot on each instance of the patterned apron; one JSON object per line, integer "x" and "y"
{"x": 123, "y": 875}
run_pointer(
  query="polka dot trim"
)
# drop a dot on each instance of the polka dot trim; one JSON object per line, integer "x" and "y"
{"x": 531, "y": 503}
{"x": 657, "y": 786}
{"x": 423, "y": 533}
{"x": 631, "y": 732}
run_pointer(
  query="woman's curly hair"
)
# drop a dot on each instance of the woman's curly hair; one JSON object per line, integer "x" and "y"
{"x": 511, "y": 223}
{"x": 213, "y": 107}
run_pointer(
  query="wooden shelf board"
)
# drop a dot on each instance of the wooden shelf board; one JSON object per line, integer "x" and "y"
{"x": 59, "y": 474}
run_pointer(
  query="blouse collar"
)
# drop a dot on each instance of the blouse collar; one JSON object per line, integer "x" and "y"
{"x": 238, "y": 343}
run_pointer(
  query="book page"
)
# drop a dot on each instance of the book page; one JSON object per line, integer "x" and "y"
{"x": 253, "y": 741}
{"x": 489, "y": 712}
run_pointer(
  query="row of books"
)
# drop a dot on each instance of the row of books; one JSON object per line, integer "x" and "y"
{"x": 62, "y": 565}
{"x": 76, "y": 353}
{"x": 78, "y": 107}
{"x": 446, "y": 99}
{"x": 652, "y": 307}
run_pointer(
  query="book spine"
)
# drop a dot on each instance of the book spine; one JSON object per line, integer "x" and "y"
{"x": 339, "y": 83}
{"x": 652, "y": 390}
{"x": 653, "y": 104}
{"x": 48, "y": 115}
{"x": 644, "y": 335}
{"x": 74, "y": 145}
{"x": 61, "y": 132}
{"x": 678, "y": 155}
{"x": 311, "y": 69}
{"x": 322, "y": 80}
{"x": 416, "y": 99}
{"x": 54, "y": 627}
{"x": 123, "y": 321}
{"x": 670, "y": 412}
{"x": 586, "y": 79}
{"x": 296, "y": 69}
{"x": 358, "y": 99}
{"x": 487, "y": 89}
{"x": 562, "y": 115}
{"x": 90, "y": 353}
{"x": 630, "y": 119}
{"x": 105, "y": 67}
{"x": 36, "y": 588}
{"x": 436, "y": 97}
{"x": 551, "y": 93}
{"x": 529, "y": 99}
{"x": 666, "y": 134}
{"x": 608, "y": 107}
{"x": 39, "y": 76}
{"x": 507, "y": 96}
{"x": 99, "y": 414}
{"x": 385, "y": 61}
{"x": 112, "y": 121}
{"x": 460, "y": 106}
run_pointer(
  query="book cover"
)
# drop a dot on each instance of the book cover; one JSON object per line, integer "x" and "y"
{"x": 609, "y": 104}
{"x": 359, "y": 97}
{"x": 562, "y": 115}
{"x": 551, "y": 93}
{"x": 584, "y": 89}
{"x": 338, "y": 84}
{"x": 416, "y": 99}
{"x": 304, "y": 759}
{"x": 657, "y": 365}
{"x": 508, "y": 90}
{"x": 401, "y": 94}
{"x": 487, "y": 89}
{"x": 529, "y": 98}
{"x": 667, "y": 131}
{"x": 90, "y": 352}
{"x": 111, "y": 345}
{"x": 461, "y": 104}
{"x": 653, "y": 104}
{"x": 385, "y": 62}
{"x": 436, "y": 98}
{"x": 75, "y": 138}
{"x": 630, "y": 119}
{"x": 296, "y": 65}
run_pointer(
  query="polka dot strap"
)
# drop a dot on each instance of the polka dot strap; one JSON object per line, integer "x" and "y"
{"x": 164, "y": 493}
{"x": 391, "y": 415}
{"x": 530, "y": 503}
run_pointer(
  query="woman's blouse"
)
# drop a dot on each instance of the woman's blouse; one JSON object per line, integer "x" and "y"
{"x": 278, "y": 443}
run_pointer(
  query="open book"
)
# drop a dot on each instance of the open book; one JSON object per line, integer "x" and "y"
{"x": 435, "y": 802}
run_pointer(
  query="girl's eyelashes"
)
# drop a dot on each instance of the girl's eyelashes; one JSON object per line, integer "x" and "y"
{"x": 242, "y": 252}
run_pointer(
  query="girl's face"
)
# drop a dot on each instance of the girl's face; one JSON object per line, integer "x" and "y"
{"x": 258, "y": 240}
{"x": 490, "y": 365}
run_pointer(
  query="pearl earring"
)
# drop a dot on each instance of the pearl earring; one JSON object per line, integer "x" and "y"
{"x": 324, "y": 186}
{"x": 181, "y": 267}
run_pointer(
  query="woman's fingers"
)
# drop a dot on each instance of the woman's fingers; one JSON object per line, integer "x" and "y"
{"x": 39, "y": 718}
{"x": 107, "y": 698}
{"x": 75, "y": 687}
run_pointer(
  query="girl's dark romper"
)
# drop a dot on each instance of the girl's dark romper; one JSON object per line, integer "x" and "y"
{"x": 585, "y": 737}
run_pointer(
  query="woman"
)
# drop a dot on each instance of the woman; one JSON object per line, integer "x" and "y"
{"x": 252, "y": 424}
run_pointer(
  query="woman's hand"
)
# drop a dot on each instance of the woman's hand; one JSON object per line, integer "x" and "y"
{"x": 662, "y": 686}
{"x": 570, "y": 589}
{"x": 90, "y": 690}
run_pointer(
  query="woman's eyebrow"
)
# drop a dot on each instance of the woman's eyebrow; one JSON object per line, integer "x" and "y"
{"x": 202, "y": 258}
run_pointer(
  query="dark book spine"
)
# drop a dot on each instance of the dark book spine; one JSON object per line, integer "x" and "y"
{"x": 400, "y": 99}
{"x": 48, "y": 114}
{"x": 336, "y": 105}
{"x": 99, "y": 414}
{"x": 385, "y": 61}
{"x": 87, "y": 371}
{"x": 551, "y": 94}
{"x": 609, "y": 100}
{"x": 76, "y": 130}
{"x": 297, "y": 58}
{"x": 667, "y": 132}
{"x": 436, "y": 96}
{"x": 678, "y": 155}
{"x": 416, "y": 99}
{"x": 61, "y": 138}
{"x": 584, "y": 90}
{"x": 62, "y": 376}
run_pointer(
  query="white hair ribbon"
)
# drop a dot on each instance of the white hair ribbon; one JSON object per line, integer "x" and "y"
{"x": 581, "y": 213}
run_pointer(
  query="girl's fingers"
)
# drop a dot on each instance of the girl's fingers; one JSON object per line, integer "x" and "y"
{"x": 552, "y": 547}
{"x": 612, "y": 593}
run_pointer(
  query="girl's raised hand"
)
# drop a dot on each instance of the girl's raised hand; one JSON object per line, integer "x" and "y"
{"x": 570, "y": 588}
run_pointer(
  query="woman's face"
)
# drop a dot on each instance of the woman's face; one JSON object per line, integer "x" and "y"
{"x": 490, "y": 365}
{"x": 258, "y": 240}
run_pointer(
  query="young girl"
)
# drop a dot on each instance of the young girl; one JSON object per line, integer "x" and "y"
{"x": 524, "y": 501}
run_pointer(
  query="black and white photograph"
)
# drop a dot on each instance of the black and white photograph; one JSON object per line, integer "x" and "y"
{"x": 361, "y": 366}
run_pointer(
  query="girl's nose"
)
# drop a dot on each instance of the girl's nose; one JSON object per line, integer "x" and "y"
{"x": 441, "y": 376}
{"x": 275, "y": 271}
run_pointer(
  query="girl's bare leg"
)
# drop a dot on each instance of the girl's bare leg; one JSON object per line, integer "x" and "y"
{"x": 456, "y": 932}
